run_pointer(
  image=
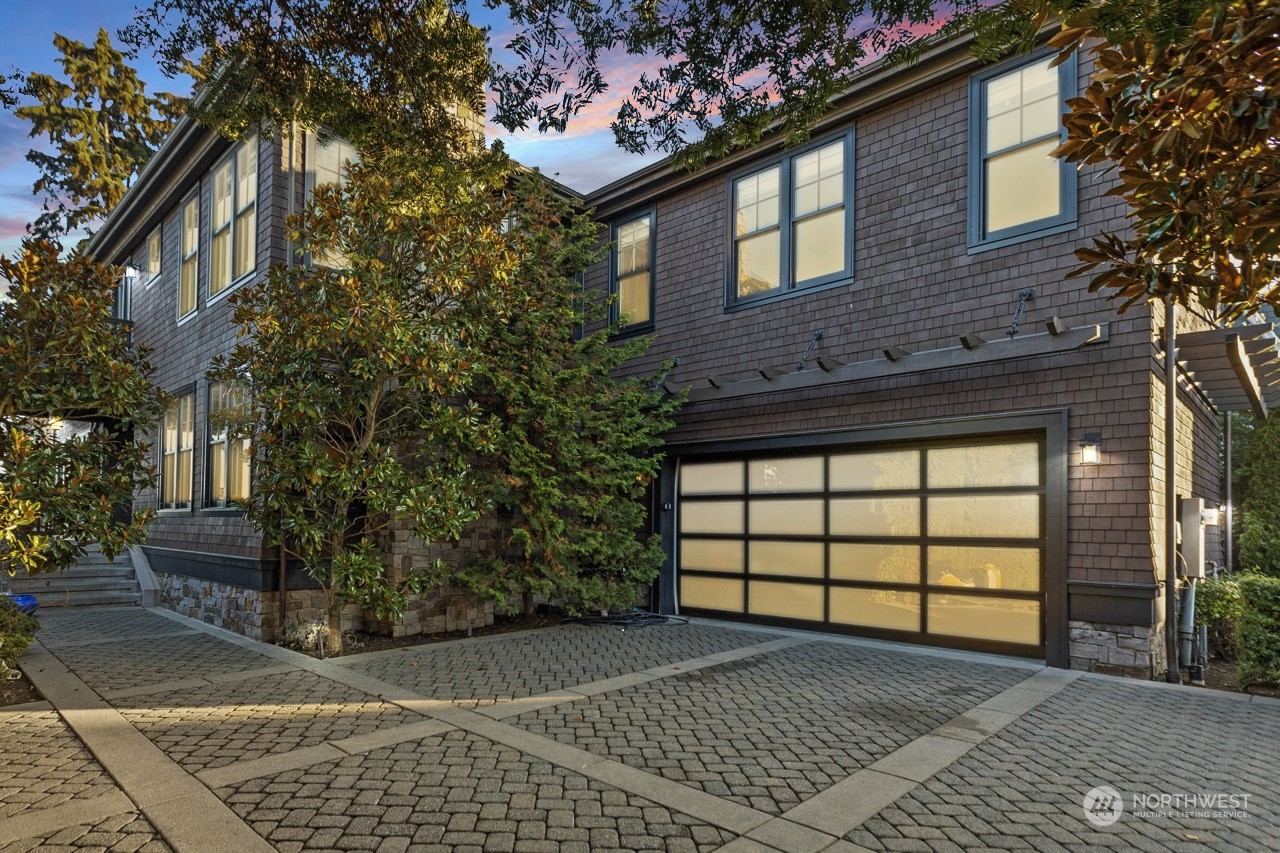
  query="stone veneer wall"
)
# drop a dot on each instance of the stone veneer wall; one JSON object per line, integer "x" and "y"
{"x": 1132, "y": 650}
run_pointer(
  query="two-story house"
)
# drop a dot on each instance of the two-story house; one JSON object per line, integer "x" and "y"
{"x": 903, "y": 421}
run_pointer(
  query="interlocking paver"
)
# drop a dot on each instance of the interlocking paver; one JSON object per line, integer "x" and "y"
{"x": 1024, "y": 787}
{"x": 75, "y": 624}
{"x": 458, "y": 790}
{"x": 527, "y": 665}
{"x": 123, "y": 833}
{"x": 138, "y": 662}
{"x": 43, "y": 764}
{"x": 213, "y": 726}
{"x": 772, "y": 730}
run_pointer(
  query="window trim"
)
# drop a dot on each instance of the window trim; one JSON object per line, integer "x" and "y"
{"x": 614, "y": 292}
{"x": 179, "y": 507}
{"x": 208, "y": 505}
{"x": 157, "y": 233}
{"x": 786, "y": 225}
{"x": 230, "y": 159}
{"x": 194, "y": 256}
{"x": 978, "y": 240}
{"x": 310, "y": 154}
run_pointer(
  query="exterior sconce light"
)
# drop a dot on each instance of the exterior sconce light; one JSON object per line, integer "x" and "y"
{"x": 1091, "y": 448}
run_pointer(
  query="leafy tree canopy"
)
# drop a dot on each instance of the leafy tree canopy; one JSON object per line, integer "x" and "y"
{"x": 380, "y": 73}
{"x": 103, "y": 128}
{"x": 65, "y": 359}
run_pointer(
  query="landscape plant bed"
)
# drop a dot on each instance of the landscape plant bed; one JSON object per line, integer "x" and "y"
{"x": 19, "y": 691}
{"x": 359, "y": 642}
{"x": 1221, "y": 675}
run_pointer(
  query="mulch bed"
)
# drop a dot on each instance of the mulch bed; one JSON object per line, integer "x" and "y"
{"x": 1221, "y": 675}
{"x": 357, "y": 643}
{"x": 18, "y": 692}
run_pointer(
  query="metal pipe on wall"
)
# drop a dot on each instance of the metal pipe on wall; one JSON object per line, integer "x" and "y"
{"x": 1229, "y": 558}
{"x": 1174, "y": 675}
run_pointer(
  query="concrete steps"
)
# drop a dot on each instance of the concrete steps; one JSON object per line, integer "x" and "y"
{"x": 93, "y": 580}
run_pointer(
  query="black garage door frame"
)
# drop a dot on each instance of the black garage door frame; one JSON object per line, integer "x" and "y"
{"x": 1052, "y": 424}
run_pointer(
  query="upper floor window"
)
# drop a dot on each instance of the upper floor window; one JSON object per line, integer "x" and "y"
{"x": 229, "y": 457}
{"x": 790, "y": 223}
{"x": 1017, "y": 190}
{"x": 233, "y": 247}
{"x": 327, "y": 160}
{"x": 151, "y": 263}
{"x": 633, "y": 272}
{"x": 177, "y": 438}
{"x": 190, "y": 255}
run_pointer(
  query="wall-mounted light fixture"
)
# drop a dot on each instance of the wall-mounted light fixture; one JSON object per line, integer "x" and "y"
{"x": 1091, "y": 448}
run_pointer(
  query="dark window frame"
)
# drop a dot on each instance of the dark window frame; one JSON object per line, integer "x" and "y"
{"x": 238, "y": 207}
{"x": 614, "y": 292}
{"x": 978, "y": 238}
{"x": 227, "y": 507}
{"x": 194, "y": 197}
{"x": 179, "y": 506}
{"x": 786, "y": 225}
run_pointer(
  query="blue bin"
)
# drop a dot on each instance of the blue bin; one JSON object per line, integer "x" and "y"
{"x": 24, "y": 603}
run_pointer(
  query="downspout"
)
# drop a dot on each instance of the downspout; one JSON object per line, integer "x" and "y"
{"x": 1230, "y": 502}
{"x": 1174, "y": 675}
{"x": 282, "y": 581}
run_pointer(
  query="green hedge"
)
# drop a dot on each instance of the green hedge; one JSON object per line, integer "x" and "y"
{"x": 1259, "y": 631}
{"x": 17, "y": 630}
{"x": 1218, "y": 607}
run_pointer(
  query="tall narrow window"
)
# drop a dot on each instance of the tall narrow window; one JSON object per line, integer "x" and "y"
{"x": 790, "y": 223}
{"x": 177, "y": 441}
{"x": 633, "y": 271}
{"x": 328, "y": 159}
{"x": 229, "y": 457}
{"x": 233, "y": 244}
{"x": 190, "y": 254}
{"x": 151, "y": 268}
{"x": 1017, "y": 189}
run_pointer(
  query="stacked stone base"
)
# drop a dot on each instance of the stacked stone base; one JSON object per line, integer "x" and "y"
{"x": 256, "y": 614}
{"x": 1130, "y": 650}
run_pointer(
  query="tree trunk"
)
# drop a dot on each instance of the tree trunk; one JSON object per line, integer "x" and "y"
{"x": 333, "y": 631}
{"x": 528, "y": 603}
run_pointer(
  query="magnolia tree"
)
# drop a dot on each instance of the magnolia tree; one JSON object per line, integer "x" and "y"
{"x": 63, "y": 357}
{"x": 356, "y": 370}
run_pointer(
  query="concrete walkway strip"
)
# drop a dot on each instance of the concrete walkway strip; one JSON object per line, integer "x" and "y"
{"x": 850, "y": 802}
{"x": 270, "y": 765}
{"x": 38, "y": 823}
{"x": 792, "y": 837}
{"x": 27, "y": 707}
{"x": 189, "y": 816}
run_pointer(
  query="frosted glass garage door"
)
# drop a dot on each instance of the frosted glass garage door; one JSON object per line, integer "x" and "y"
{"x": 942, "y": 542}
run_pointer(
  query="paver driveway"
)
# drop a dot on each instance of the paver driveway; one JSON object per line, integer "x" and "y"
{"x": 161, "y": 733}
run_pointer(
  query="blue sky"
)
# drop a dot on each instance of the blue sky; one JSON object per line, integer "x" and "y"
{"x": 584, "y": 158}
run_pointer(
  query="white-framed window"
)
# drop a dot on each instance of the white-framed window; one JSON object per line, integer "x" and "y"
{"x": 632, "y": 280}
{"x": 233, "y": 245}
{"x": 151, "y": 263}
{"x": 230, "y": 459}
{"x": 1017, "y": 190}
{"x": 327, "y": 161}
{"x": 190, "y": 255}
{"x": 790, "y": 228}
{"x": 177, "y": 442}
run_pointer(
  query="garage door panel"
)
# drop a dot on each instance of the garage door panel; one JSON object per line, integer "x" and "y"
{"x": 787, "y": 600}
{"x": 713, "y": 593}
{"x": 875, "y": 516}
{"x": 787, "y": 518}
{"x": 712, "y": 517}
{"x": 877, "y": 470}
{"x": 984, "y": 466}
{"x": 801, "y": 559}
{"x": 713, "y": 555}
{"x": 985, "y": 567}
{"x": 895, "y": 610}
{"x": 1009, "y": 620}
{"x": 866, "y": 561}
{"x": 804, "y": 474}
{"x": 985, "y": 516}
{"x": 712, "y": 478}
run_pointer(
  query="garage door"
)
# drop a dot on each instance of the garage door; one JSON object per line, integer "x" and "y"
{"x": 941, "y": 542}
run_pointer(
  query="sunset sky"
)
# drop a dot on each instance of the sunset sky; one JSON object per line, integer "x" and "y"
{"x": 584, "y": 158}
